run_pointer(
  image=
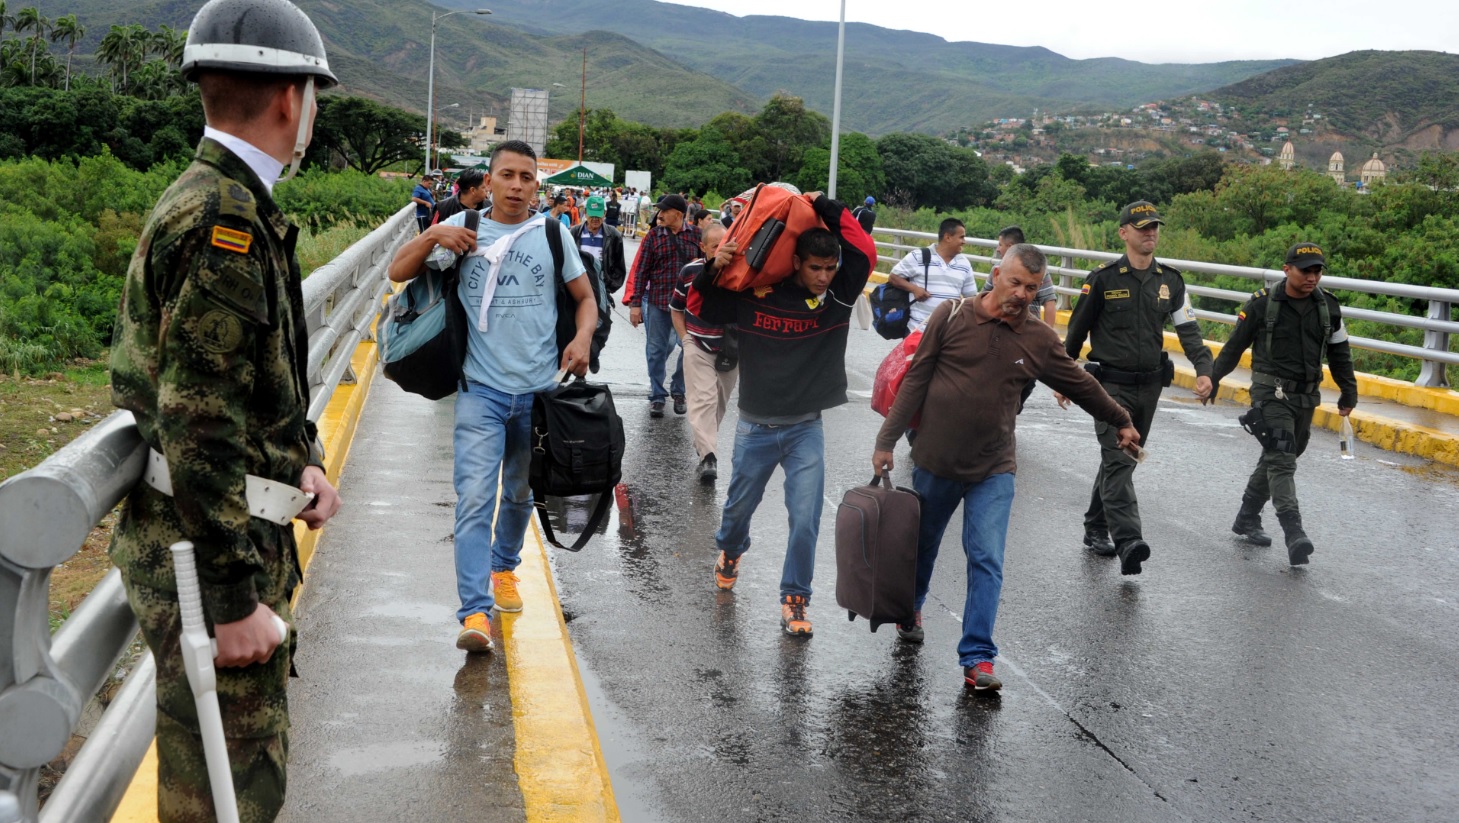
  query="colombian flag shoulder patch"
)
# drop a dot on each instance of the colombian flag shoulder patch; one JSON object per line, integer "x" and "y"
{"x": 1241, "y": 315}
{"x": 232, "y": 240}
{"x": 1084, "y": 290}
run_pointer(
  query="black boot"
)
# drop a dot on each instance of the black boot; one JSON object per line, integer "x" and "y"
{"x": 1299, "y": 547}
{"x": 1098, "y": 542}
{"x": 1132, "y": 554}
{"x": 1248, "y": 521}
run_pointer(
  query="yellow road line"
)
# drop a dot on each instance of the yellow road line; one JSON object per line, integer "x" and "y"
{"x": 560, "y": 767}
{"x": 336, "y": 432}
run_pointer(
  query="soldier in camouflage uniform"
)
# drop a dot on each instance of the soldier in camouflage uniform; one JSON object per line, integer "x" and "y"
{"x": 210, "y": 355}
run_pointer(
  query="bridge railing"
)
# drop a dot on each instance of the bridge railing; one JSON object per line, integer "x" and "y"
{"x": 1437, "y": 324}
{"x": 46, "y": 514}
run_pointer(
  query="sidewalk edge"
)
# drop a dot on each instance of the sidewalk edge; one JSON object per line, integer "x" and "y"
{"x": 559, "y": 761}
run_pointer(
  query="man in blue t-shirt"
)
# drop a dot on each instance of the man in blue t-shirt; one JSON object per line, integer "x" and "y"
{"x": 510, "y": 295}
{"x": 424, "y": 199}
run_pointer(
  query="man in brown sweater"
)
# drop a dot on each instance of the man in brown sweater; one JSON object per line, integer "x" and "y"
{"x": 975, "y": 358}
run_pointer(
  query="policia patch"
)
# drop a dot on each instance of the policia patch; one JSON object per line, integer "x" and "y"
{"x": 219, "y": 331}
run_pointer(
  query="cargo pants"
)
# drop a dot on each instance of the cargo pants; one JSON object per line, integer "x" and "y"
{"x": 1275, "y": 477}
{"x": 1112, "y": 503}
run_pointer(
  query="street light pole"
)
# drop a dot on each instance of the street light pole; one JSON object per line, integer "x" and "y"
{"x": 583, "y": 106}
{"x": 431, "y": 77}
{"x": 836, "y": 105}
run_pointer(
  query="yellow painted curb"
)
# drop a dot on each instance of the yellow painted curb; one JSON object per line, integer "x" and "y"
{"x": 336, "y": 432}
{"x": 1383, "y": 432}
{"x": 560, "y": 766}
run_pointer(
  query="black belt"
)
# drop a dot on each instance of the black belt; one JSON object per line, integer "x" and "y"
{"x": 1105, "y": 374}
{"x": 1292, "y": 386}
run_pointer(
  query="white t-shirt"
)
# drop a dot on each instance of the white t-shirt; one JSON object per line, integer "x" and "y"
{"x": 944, "y": 280}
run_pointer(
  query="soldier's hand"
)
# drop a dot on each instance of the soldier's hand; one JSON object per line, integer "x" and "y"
{"x": 635, "y": 316}
{"x": 1061, "y": 400}
{"x": 247, "y": 641}
{"x": 881, "y": 462}
{"x": 1213, "y": 394}
{"x": 1342, "y": 412}
{"x": 326, "y": 497}
{"x": 458, "y": 239}
{"x": 1203, "y": 388}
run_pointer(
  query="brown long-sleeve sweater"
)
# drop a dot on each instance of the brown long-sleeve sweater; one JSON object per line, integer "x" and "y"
{"x": 966, "y": 379}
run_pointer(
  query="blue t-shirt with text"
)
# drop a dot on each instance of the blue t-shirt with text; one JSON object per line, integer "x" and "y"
{"x": 517, "y": 354}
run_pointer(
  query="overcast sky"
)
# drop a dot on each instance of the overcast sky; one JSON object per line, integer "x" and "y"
{"x": 1175, "y": 31}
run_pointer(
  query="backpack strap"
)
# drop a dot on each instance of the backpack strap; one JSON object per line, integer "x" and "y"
{"x": 600, "y": 511}
{"x": 554, "y": 245}
{"x": 453, "y": 278}
{"x": 926, "y": 265}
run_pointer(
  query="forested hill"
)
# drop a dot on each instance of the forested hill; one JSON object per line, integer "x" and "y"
{"x": 380, "y": 49}
{"x": 1393, "y": 98}
{"x": 894, "y": 80}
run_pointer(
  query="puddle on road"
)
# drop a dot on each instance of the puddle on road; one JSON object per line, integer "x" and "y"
{"x": 381, "y": 757}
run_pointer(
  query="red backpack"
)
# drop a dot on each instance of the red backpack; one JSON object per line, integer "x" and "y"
{"x": 766, "y": 232}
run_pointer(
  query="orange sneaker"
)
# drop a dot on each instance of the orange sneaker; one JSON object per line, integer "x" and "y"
{"x": 726, "y": 572}
{"x": 504, "y": 588}
{"x": 475, "y": 634}
{"x": 792, "y": 615}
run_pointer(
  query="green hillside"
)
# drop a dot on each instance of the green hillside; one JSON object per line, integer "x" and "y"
{"x": 894, "y": 80}
{"x": 1390, "y": 97}
{"x": 381, "y": 49}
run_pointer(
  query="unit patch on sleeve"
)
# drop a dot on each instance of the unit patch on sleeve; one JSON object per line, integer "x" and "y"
{"x": 232, "y": 240}
{"x": 1117, "y": 294}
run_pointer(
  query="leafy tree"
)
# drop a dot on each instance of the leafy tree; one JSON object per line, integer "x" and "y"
{"x": 366, "y": 135}
{"x": 859, "y": 173}
{"x": 67, "y": 30}
{"x": 922, "y": 170}
{"x": 123, "y": 49}
{"x": 788, "y": 128}
{"x": 706, "y": 163}
{"x": 28, "y": 19}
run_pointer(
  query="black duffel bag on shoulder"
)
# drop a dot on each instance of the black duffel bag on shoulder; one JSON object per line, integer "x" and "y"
{"x": 577, "y": 448}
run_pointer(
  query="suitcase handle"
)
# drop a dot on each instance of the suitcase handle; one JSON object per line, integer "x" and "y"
{"x": 876, "y": 480}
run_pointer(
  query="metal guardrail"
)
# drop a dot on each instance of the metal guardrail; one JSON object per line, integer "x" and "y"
{"x": 48, "y": 511}
{"x": 1437, "y": 325}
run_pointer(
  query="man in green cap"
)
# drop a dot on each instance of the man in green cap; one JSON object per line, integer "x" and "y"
{"x": 603, "y": 243}
{"x": 211, "y": 355}
{"x": 1289, "y": 328}
{"x": 1123, "y": 310}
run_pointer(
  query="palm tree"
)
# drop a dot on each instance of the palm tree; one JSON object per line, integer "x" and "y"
{"x": 121, "y": 49}
{"x": 29, "y": 19}
{"x": 168, "y": 44}
{"x": 67, "y": 29}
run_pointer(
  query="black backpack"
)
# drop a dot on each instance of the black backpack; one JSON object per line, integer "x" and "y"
{"x": 567, "y": 307}
{"x": 577, "y": 448}
{"x": 891, "y": 307}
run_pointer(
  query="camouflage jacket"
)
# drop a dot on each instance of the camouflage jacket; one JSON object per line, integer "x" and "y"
{"x": 209, "y": 354}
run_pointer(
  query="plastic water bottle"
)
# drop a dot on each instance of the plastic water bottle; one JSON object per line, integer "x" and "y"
{"x": 1345, "y": 439}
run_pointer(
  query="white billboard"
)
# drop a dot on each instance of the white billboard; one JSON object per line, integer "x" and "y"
{"x": 641, "y": 180}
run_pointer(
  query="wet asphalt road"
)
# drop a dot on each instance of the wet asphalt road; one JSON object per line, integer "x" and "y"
{"x": 1219, "y": 685}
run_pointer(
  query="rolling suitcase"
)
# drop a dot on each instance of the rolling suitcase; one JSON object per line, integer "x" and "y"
{"x": 876, "y": 552}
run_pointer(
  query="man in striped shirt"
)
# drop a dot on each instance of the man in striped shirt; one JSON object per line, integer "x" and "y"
{"x": 947, "y": 274}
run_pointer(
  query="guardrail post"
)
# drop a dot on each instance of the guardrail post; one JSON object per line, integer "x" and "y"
{"x": 1433, "y": 373}
{"x": 1066, "y": 281}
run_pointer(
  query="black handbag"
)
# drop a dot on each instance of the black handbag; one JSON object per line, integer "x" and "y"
{"x": 577, "y": 448}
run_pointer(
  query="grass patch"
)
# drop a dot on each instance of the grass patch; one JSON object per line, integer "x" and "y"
{"x": 317, "y": 247}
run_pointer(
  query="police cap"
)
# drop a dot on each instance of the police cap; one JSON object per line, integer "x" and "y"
{"x": 261, "y": 36}
{"x": 1140, "y": 214}
{"x": 1305, "y": 255}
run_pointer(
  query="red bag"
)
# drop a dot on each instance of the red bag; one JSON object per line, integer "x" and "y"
{"x": 766, "y": 232}
{"x": 891, "y": 372}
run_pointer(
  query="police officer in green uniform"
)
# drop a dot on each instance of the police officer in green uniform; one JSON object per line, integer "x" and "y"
{"x": 1289, "y": 333}
{"x": 210, "y": 355}
{"x": 1123, "y": 310}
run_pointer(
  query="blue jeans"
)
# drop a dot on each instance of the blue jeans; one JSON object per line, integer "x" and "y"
{"x": 493, "y": 431}
{"x": 661, "y": 340}
{"x": 986, "y": 505}
{"x": 801, "y": 450}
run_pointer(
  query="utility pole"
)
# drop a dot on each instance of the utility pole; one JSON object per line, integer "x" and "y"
{"x": 836, "y": 105}
{"x": 583, "y": 106}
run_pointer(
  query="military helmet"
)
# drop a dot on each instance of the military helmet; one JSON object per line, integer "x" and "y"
{"x": 263, "y": 36}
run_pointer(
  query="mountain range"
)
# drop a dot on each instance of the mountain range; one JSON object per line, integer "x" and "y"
{"x": 674, "y": 65}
